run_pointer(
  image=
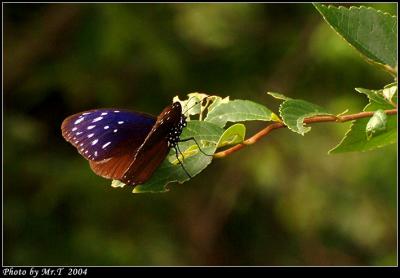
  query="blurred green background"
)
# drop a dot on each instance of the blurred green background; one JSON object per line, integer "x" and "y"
{"x": 283, "y": 201}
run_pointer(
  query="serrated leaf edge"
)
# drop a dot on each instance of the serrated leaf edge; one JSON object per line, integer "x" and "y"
{"x": 300, "y": 120}
{"x": 380, "y": 64}
{"x": 259, "y": 116}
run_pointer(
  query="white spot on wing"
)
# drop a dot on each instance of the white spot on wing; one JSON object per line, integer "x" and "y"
{"x": 91, "y": 126}
{"x": 115, "y": 130}
{"x": 106, "y": 127}
{"x": 104, "y": 113}
{"x": 120, "y": 122}
{"x": 105, "y": 145}
{"x": 75, "y": 128}
{"x": 97, "y": 119}
{"x": 95, "y": 153}
{"x": 79, "y": 120}
{"x": 90, "y": 135}
{"x": 116, "y": 111}
{"x": 94, "y": 142}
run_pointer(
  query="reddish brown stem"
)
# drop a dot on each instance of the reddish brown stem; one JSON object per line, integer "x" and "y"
{"x": 316, "y": 119}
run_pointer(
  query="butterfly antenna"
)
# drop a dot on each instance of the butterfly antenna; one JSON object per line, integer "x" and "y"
{"x": 197, "y": 102}
{"x": 192, "y": 138}
{"x": 180, "y": 162}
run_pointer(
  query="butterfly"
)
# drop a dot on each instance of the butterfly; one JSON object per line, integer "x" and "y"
{"x": 126, "y": 145}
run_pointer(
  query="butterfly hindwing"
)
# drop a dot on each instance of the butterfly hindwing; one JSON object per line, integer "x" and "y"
{"x": 147, "y": 160}
{"x": 113, "y": 167}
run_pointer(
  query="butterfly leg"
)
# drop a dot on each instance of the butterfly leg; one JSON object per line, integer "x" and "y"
{"x": 192, "y": 138}
{"x": 180, "y": 162}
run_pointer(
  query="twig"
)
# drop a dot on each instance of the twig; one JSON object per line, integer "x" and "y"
{"x": 316, "y": 119}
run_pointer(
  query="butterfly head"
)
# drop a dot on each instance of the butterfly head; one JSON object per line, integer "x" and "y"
{"x": 177, "y": 107}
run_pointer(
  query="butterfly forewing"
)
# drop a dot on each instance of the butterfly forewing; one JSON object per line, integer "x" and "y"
{"x": 103, "y": 133}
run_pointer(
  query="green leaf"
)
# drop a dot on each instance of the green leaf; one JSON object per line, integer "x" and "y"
{"x": 355, "y": 138}
{"x": 374, "y": 95}
{"x": 216, "y": 102}
{"x": 193, "y": 105}
{"x": 192, "y": 150}
{"x": 294, "y": 111}
{"x": 390, "y": 85}
{"x": 238, "y": 111}
{"x": 233, "y": 135}
{"x": 390, "y": 92}
{"x": 376, "y": 123}
{"x": 207, "y": 135}
{"x": 372, "y": 32}
{"x": 278, "y": 96}
{"x": 117, "y": 183}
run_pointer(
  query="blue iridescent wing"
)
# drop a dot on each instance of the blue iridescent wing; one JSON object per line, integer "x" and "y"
{"x": 101, "y": 134}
